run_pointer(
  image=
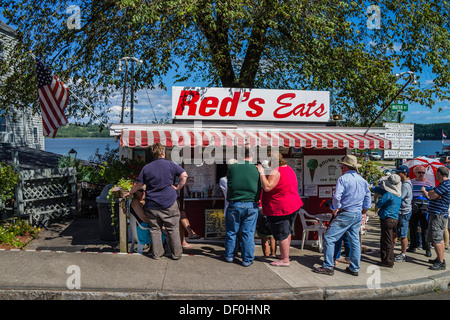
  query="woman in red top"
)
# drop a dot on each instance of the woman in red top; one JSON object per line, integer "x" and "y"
{"x": 280, "y": 202}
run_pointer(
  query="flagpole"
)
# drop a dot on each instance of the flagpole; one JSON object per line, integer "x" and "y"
{"x": 89, "y": 109}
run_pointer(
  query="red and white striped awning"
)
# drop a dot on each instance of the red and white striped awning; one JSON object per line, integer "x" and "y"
{"x": 217, "y": 137}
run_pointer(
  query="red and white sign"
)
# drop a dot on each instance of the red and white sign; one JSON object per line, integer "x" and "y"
{"x": 199, "y": 103}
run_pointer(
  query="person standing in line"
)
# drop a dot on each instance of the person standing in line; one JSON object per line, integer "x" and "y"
{"x": 161, "y": 204}
{"x": 405, "y": 212}
{"x": 437, "y": 215}
{"x": 223, "y": 184}
{"x": 419, "y": 212}
{"x": 243, "y": 194}
{"x": 389, "y": 206}
{"x": 280, "y": 203}
{"x": 351, "y": 199}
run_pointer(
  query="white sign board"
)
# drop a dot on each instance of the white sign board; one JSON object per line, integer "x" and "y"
{"x": 398, "y": 154}
{"x": 402, "y": 140}
{"x": 321, "y": 170}
{"x": 238, "y": 104}
{"x": 399, "y": 127}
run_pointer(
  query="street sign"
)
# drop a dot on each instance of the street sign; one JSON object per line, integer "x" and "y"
{"x": 398, "y": 154}
{"x": 399, "y": 107}
{"x": 402, "y": 140}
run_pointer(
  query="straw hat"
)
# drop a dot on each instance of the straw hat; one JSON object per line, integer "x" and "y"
{"x": 393, "y": 184}
{"x": 351, "y": 161}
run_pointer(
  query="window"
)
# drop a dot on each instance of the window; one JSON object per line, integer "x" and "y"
{"x": 35, "y": 135}
{"x": 2, "y": 122}
{"x": 1, "y": 51}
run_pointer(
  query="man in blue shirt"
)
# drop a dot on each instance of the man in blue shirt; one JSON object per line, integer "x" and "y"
{"x": 160, "y": 200}
{"x": 437, "y": 215}
{"x": 350, "y": 202}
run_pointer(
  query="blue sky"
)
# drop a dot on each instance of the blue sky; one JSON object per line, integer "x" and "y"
{"x": 158, "y": 102}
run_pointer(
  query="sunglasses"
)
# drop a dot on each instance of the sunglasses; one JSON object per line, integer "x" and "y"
{"x": 420, "y": 172}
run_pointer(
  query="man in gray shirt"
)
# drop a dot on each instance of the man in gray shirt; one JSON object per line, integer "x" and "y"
{"x": 404, "y": 213}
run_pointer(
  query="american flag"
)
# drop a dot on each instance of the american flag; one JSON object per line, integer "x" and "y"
{"x": 53, "y": 96}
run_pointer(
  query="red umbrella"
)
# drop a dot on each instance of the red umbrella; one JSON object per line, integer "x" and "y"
{"x": 430, "y": 165}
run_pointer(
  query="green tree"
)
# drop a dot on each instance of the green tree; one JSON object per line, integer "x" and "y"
{"x": 297, "y": 44}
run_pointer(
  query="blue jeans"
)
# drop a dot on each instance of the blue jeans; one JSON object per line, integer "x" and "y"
{"x": 349, "y": 222}
{"x": 338, "y": 247}
{"x": 241, "y": 215}
{"x": 402, "y": 225}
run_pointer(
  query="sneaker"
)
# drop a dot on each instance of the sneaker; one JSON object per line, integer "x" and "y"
{"x": 411, "y": 249}
{"x": 433, "y": 261}
{"x": 438, "y": 266}
{"x": 401, "y": 258}
{"x": 353, "y": 273}
{"x": 247, "y": 263}
{"x": 428, "y": 253}
{"x": 231, "y": 259}
{"x": 383, "y": 264}
{"x": 327, "y": 271}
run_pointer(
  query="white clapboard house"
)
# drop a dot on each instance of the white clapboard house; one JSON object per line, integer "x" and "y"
{"x": 26, "y": 129}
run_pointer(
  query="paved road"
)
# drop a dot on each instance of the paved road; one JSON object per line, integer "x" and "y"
{"x": 437, "y": 295}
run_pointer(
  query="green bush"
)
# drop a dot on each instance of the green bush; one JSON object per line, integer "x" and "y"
{"x": 9, "y": 180}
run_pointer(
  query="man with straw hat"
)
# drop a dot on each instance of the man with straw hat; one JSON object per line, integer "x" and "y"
{"x": 351, "y": 199}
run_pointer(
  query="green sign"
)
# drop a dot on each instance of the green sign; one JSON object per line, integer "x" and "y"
{"x": 399, "y": 107}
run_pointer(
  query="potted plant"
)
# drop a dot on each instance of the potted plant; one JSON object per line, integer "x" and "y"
{"x": 122, "y": 187}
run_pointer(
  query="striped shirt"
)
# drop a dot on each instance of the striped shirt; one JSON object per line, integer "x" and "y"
{"x": 417, "y": 186}
{"x": 440, "y": 206}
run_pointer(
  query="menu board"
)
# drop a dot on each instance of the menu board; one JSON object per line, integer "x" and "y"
{"x": 200, "y": 177}
{"x": 214, "y": 224}
{"x": 297, "y": 165}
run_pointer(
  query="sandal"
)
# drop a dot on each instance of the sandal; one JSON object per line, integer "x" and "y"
{"x": 187, "y": 246}
{"x": 194, "y": 236}
{"x": 279, "y": 263}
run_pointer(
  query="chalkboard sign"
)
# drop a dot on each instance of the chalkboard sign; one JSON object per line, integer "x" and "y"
{"x": 214, "y": 224}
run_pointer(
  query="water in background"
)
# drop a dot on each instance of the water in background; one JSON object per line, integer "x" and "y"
{"x": 85, "y": 148}
{"x": 427, "y": 148}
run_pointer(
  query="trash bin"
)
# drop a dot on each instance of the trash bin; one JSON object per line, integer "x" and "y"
{"x": 106, "y": 230}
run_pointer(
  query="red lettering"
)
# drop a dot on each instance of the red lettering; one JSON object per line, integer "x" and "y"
{"x": 301, "y": 110}
{"x": 319, "y": 112}
{"x": 276, "y": 113}
{"x": 208, "y": 103}
{"x": 190, "y": 103}
{"x": 257, "y": 109}
{"x": 233, "y": 102}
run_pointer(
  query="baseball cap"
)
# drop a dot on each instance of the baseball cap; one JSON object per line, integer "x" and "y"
{"x": 403, "y": 169}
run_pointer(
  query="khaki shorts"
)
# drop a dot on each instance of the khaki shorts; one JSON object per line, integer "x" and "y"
{"x": 436, "y": 228}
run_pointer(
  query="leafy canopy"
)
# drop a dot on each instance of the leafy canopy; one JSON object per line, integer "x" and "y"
{"x": 297, "y": 44}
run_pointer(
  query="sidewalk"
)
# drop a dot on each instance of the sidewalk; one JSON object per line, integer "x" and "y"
{"x": 43, "y": 271}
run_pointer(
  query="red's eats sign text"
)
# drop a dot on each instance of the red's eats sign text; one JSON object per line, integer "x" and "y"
{"x": 255, "y": 104}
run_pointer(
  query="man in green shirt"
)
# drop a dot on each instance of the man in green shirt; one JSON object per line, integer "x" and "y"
{"x": 244, "y": 191}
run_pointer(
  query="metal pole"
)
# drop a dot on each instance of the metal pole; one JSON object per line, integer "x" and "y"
{"x": 132, "y": 93}
{"x": 388, "y": 104}
{"x": 124, "y": 90}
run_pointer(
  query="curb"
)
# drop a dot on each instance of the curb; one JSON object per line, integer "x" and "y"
{"x": 398, "y": 289}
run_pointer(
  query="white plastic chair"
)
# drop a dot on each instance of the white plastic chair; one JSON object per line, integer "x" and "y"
{"x": 316, "y": 226}
{"x": 134, "y": 224}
